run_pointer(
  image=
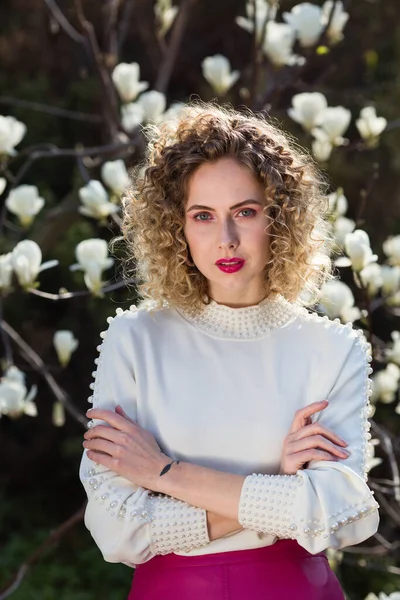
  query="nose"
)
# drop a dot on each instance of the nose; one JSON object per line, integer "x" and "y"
{"x": 228, "y": 235}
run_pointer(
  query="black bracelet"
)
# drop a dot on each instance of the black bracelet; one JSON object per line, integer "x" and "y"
{"x": 167, "y": 467}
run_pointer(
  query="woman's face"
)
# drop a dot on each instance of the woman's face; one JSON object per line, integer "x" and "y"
{"x": 224, "y": 219}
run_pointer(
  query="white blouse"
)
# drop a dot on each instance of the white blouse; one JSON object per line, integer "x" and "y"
{"x": 220, "y": 390}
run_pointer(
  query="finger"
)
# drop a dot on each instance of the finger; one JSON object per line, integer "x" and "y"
{"x": 102, "y": 459}
{"x": 303, "y": 414}
{"x": 121, "y": 411}
{"x": 317, "y": 442}
{"x": 317, "y": 428}
{"x": 100, "y": 445}
{"x": 314, "y": 454}
{"x": 103, "y": 431}
{"x": 109, "y": 416}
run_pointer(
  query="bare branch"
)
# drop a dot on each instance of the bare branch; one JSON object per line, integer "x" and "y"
{"x": 52, "y": 110}
{"x": 167, "y": 65}
{"x": 388, "y": 447}
{"x": 62, "y": 20}
{"x": 80, "y": 293}
{"x": 5, "y": 340}
{"x": 38, "y": 364}
{"x": 54, "y": 537}
{"x": 124, "y": 23}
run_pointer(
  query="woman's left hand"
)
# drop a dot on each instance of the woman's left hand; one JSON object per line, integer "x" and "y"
{"x": 125, "y": 447}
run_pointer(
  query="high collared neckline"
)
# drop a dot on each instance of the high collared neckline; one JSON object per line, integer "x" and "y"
{"x": 245, "y": 323}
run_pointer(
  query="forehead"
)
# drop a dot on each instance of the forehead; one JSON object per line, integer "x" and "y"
{"x": 225, "y": 178}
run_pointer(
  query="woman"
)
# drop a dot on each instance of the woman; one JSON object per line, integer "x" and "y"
{"x": 228, "y": 443}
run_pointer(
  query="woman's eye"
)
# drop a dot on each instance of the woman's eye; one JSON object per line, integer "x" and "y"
{"x": 199, "y": 216}
{"x": 250, "y": 212}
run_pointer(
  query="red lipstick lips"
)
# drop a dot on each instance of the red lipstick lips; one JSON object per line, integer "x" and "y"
{"x": 230, "y": 265}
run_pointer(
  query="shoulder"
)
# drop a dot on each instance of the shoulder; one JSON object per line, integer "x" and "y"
{"x": 137, "y": 319}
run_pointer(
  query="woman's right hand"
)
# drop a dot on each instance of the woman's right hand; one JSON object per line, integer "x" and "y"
{"x": 309, "y": 441}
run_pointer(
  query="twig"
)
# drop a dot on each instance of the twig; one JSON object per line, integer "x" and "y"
{"x": 111, "y": 30}
{"x": 388, "y": 447}
{"x": 5, "y": 340}
{"x": 51, "y": 539}
{"x": 124, "y": 24}
{"x": 52, "y": 110}
{"x": 62, "y": 20}
{"x": 167, "y": 65}
{"x": 38, "y": 364}
{"x": 80, "y": 293}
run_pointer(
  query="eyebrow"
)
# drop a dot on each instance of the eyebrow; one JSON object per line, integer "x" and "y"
{"x": 202, "y": 207}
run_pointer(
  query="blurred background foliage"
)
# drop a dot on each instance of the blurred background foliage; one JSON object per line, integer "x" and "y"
{"x": 40, "y": 63}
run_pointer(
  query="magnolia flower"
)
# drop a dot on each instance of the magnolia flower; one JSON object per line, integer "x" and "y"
{"x": 132, "y": 115}
{"x": 95, "y": 201}
{"x": 58, "y": 414}
{"x": 217, "y": 71}
{"x": 65, "y": 344}
{"x": 321, "y": 146}
{"x": 338, "y": 202}
{"x": 27, "y": 263}
{"x": 334, "y": 121}
{"x": 264, "y": 12}
{"x": 393, "y": 352}
{"x": 337, "y": 301}
{"x": 390, "y": 279}
{"x": 11, "y": 133}
{"x": 391, "y": 248}
{"x": 278, "y": 45}
{"x": 92, "y": 257}
{"x": 126, "y": 79}
{"x": 115, "y": 175}
{"x": 371, "y": 278}
{"x": 166, "y": 14}
{"x": 173, "y": 111}
{"x": 370, "y": 126}
{"x": 338, "y": 21}
{"x": 25, "y": 202}
{"x": 153, "y": 104}
{"x": 382, "y": 596}
{"x": 6, "y": 271}
{"x": 341, "y": 227}
{"x": 3, "y": 184}
{"x": 306, "y": 108}
{"x": 359, "y": 251}
{"x": 14, "y": 397}
{"x": 305, "y": 19}
{"x": 385, "y": 384}
{"x": 372, "y": 461}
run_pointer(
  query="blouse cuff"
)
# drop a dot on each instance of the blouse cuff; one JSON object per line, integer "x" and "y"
{"x": 176, "y": 526}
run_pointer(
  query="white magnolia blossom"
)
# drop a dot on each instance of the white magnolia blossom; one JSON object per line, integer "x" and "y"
{"x": 173, "y": 112}
{"x": 126, "y": 79}
{"x": 306, "y": 19}
{"x": 358, "y": 250}
{"x": 15, "y": 400}
{"x": 369, "y": 125}
{"x": 390, "y": 279}
{"x": 11, "y": 133}
{"x": 115, "y": 175}
{"x": 338, "y": 202}
{"x": 321, "y": 145}
{"x": 217, "y": 71}
{"x": 65, "y": 344}
{"x": 341, "y": 227}
{"x": 334, "y": 121}
{"x": 93, "y": 259}
{"x": 24, "y": 202}
{"x": 6, "y": 271}
{"x": 306, "y": 108}
{"x": 132, "y": 115}
{"x": 371, "y": 277}
{"x": 278, "y": 45}
{"x": 338, "y": 21}
{"x": 153, "y": 104}
{"x": 58, "y": 414}
{"x": 3, "y": 184}
{"x": 391, "y": 248}
{"x": 393, "y": 351}
{"x": 166, "y": 14}
{"x": 385, "y": 384}
{"x": 372, "y": 461}
{"x": 265, "y": 11}
{"x": 337, "y": 301}
{"x": 95, "y": 201}
{"x": 26, "y": 260}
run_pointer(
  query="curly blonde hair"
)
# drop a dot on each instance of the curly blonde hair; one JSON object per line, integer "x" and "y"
{"x": 295, "y": 202}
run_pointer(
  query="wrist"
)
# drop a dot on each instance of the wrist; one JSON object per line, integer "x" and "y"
{"x": 163, "y": 470}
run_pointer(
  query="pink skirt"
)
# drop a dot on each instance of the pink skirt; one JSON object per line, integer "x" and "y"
{"x": 282, "y": 571}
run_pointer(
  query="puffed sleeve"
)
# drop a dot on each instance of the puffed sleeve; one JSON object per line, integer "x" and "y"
{"x": 327, "y": 504}
{"x": 129, "y": 523}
